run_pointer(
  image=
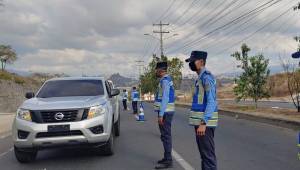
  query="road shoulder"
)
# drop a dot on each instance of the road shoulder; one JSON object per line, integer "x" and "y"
{"x": 6, "y": 120}
{"x": 269, "y": 118}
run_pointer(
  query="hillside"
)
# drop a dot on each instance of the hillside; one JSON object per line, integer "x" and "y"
{"x": 277, "y": 84}
{"x": 13, "y": 88}
{"x": 121, "y": 81}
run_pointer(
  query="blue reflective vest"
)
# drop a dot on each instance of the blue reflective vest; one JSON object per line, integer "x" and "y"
{"x": 159, "y": 95}
{"x": 200, "y": 103}
{"x": 135, "y": 95}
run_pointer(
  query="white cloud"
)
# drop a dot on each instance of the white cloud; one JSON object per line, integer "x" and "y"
{"x": 104, "y": 37}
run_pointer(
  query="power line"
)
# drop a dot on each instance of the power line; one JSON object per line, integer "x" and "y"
{"x": 211, "y": 18}
{"x": 178, "y": 6}
{"x": 166, "y": 11}
{"x": 195, "y": 14}
{"x": 184, "y": 13}
{"x": 238, "y": 29}
{"x": 231, "y": 23}
{"x": 206, "y": 23}
{"x": 251, "y": 35}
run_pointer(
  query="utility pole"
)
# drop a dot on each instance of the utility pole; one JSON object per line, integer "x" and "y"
{"x": 140, "y": 65}
{"x": 161, "y": 32}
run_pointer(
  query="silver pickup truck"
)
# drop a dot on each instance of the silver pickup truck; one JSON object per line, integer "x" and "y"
{"x": 67, "y": 112}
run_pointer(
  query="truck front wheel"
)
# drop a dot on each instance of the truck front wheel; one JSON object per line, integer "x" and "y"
{"x": 26, "y": 155}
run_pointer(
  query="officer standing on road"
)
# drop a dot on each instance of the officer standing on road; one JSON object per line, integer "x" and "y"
{"x": 164, "y": 105}
{"x": 204, "y": 111}
{"x": 125, "y": 98}
{"x": 135, "y": 99}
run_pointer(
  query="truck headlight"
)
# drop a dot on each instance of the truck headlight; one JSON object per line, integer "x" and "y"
{"x": 96, "y": 111}
{"x": 24, "y": 114}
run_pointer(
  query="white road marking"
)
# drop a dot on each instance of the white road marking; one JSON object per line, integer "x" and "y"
{"x": 183, "y": 163}
{"x": 4, "y": 153}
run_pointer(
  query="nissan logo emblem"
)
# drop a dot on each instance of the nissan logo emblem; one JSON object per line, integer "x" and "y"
{"x": 59, "y": 116}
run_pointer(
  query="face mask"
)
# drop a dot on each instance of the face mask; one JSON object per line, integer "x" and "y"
{"x": 157, "y": 74}
{"x": 192, "y": 66}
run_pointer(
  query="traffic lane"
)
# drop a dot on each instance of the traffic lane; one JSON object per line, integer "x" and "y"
{"x": 287, "y": 105}
{"x": 6, "y": 121}
{"x": 240, "y": 144}
{"x": 5, "y": 144}
{"x": 138, "y": 148}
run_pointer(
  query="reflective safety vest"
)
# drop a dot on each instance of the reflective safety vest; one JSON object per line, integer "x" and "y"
{"x": 125, "y": 95}
{"x": 159, "y": 95}
{"x": 135, "y": 96}
{"x": 199, "y": 105}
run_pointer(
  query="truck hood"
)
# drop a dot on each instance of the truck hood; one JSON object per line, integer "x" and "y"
{"x": 56, "y": 103}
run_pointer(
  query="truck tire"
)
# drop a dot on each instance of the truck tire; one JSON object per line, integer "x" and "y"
{"x": 117, "y": 127}
{"x": 108, "y": 149}
{"x": 25, "y": 156}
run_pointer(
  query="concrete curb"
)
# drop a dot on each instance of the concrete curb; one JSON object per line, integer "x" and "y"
{"x": 272, "y": 121}
{"x": 7, "y": 114}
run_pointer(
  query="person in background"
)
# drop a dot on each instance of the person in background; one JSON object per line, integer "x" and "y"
{"x": 165, "y": 107}
{"x": 124, "y": 99}
{"x": 135, "y": 98}
{"x": 204, "y": 111}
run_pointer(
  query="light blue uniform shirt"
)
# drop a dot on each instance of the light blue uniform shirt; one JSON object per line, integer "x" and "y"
{"x": 165, "y": 96}
{"x": 135, "y": 95}
{"x": 210, "y": 91}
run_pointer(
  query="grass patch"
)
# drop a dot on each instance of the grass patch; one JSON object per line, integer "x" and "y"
{"x": 19, "y": 80}
{"x": 5, "y": 75}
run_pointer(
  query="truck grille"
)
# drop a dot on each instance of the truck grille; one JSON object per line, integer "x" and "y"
{"x": 50, "y": 116}
{"x": 56, "y": 116}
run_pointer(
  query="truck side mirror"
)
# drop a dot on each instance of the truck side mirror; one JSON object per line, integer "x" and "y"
{"x": 29, "y": 95}
{"x": 114, "y": 92}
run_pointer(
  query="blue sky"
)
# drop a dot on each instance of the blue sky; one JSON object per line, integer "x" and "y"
{"x": 100, "y": 37}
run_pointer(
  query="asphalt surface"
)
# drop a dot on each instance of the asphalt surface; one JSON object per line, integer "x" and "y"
{"x": 270, "y": 104}
{"x": 240, "y": 144}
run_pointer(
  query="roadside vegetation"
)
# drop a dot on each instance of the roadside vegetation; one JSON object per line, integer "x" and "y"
{"x": 149, "y": 82}
{"x": 252, "y": 83}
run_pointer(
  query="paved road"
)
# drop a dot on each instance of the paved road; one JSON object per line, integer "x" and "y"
{"x": 241, "y": 144}
{"x": 286, "y": 105}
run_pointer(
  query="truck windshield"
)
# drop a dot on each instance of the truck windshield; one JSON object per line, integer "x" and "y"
{"x": 65, "y": 88}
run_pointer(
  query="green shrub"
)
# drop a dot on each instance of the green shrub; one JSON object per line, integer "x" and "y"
{"x": 19, "y": 80}
{"x": 5, "y": 75}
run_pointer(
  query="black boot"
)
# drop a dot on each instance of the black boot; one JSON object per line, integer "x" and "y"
{"x": 162, "y": 161}
{"x": 165, "y": 165}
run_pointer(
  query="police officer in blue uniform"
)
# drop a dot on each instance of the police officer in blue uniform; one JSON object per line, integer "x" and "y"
{"x": 135, "y": 98}
{"x": 164, "y": 106}
{"x": 204, "y": 111}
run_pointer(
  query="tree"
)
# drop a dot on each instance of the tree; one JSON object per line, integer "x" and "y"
{"x": 149, "y": 82}
{"x": 293, "y": 82}
{"x": 7, "y": 55}
{"x": 252, "y": 82}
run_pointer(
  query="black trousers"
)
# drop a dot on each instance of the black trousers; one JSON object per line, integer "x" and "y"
{"x": 135, "y": 107}
{"x": 124, "y": 104}
{"x": 206, "y": 146}
{"x": 166, "y": 135}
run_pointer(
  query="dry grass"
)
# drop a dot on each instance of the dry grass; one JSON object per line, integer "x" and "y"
{"x": 4, "y": 75}
{"x": 279, "y": 113}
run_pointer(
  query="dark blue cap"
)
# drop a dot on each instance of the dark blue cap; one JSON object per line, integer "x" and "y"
{"x": 197, "y": 55}
{"x": 296, "y": 54}
{"x": 162, "y": 65}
